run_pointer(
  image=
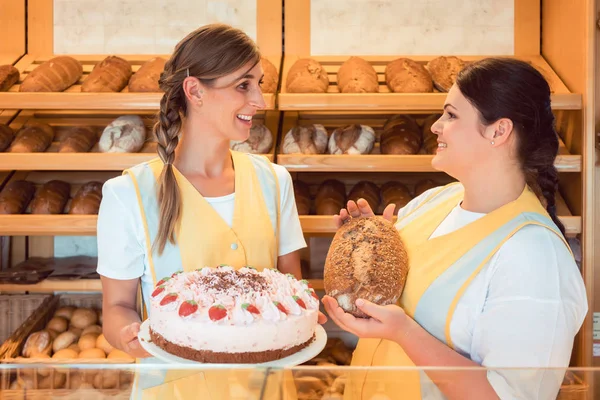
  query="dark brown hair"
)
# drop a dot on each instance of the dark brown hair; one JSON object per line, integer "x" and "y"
{"x": 513, "y": 89}
{"x": 208, "y": 53}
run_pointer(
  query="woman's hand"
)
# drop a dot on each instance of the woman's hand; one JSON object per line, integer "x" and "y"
{"x": 360, "y": 208}
{"x": 130, "y": 343}
{"x": 386, "y": 322}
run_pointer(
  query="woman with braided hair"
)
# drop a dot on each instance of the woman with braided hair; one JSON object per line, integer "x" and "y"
{"x": 491, "y": 280}
{"x": 198, "y": 203}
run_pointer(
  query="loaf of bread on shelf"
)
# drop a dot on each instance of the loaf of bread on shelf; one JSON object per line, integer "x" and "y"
{"x": 87, "y": 199}
{"x": 366, "y": 190}
{"x": 126, "y": 134}
{"x": 109, "y": 75}
{"x": 15, "y": 197}
{"x": 9, "y": 75}
{"x": 260, "y": 140}
{"x": 51, "y": 198}
{"x": 394, "y": 193}
{"x": 404, "y": 75}
{"x": 146, "y": 77}
{"x": 33, "y": 137}
{"x": 352, "y": 139}
{"x": 302, "y": 196}
{"x": 305, "y": 139}
{"x": 330, "y": 198}
{"x": 54, "y": 75}
{"x": 429, "y": 138}
{"x": 401, "y": 135}
{"x": 366, "y": 260}
{"x": 78, "y": 139}
{"x": 270, "y": 78}
{"x": 424, "y": 185}
{"x": 443, "y": 71}
{"x": 356, "y": 75}
{"x": 307, "y": 76}
{"x": 6, "y": 136}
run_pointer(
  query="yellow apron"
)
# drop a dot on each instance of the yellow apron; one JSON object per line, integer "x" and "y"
{"x": 440, "y": 271}
{"x": 203, "y": 238}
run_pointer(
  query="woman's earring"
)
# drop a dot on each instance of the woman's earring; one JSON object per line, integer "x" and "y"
{"x": 492, "y": 142}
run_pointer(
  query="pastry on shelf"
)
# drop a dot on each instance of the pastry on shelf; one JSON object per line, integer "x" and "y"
{"x": 394, "y": 193}
{"x": 443, "y": 71}
{"x": 6, "y": 136}
{"x": 352, "y": 139}
{"x": 307, "y": 76}
{"x": 270, "y": 78}
{"x": 366, "y": 190}
{"x": 330, "y": 198}
{"x": 55, "y": 75}
{"x": 147, "y": 76}
{"x": 260, "y": 140}
{"x": 126, "y": 134}
{"x": 15, "y": 197}
{"x": 429, "y": 138}
{"x": 356, "y": 75}
{"x": 404, "y": 75}
{"x": 51, "y": 198}
{"x": 87, "y": 199}
{"x": 33, "y": 137}
{"x": 400, "y": 136}
{"x": 302, "y": 196}
{"x": 305, "y": 139}
{"x": 109, "y": 75}
{"x": 78, "y": 139}
{"x": 9, "y": 75}
{"x": 424, "y": 185}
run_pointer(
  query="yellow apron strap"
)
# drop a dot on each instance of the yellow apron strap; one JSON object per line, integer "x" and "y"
{"x": 278, "y": 206}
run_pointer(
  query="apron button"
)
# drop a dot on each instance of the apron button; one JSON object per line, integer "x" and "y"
{"x": 234, "y": 246}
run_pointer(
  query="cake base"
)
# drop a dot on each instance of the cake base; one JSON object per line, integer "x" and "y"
{"x": 207, "y": 356}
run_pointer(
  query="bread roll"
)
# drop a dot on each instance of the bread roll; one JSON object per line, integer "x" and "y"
{"x": 92, "y": 353}
{"x": 271, "y": 76}
{"x": 87, "y": 341}
{"x": 84, "y": 317}
{"x": 38, "y": 342}
{"x": 66, "y": 354}
{"x": 86, "y": 202}
{"x": 78, "y": 139}
{"x": 423, "y": 186}
{"x": 125, "y": 134}
{"x": 302, "y": 196}
{"x": 260, "y": 140}
{"x": 147, "y": 76}
{"x": 109, "y": 75}
{"x": 6, "y": 137}
{"x": 443, "y": 71}
{"x": 394, "y": 193}
{"x": 119, "y": 354}
{"x": 429, "y": 138}
{"x": 9, "y": 75}
{"x": 65, "y": 312}
{"x": 307, "y": 76}
{"x": 404, "y": 75}
{"x": 307, "y": 139}
{"x": 93, "y": 329}
{"x": 51, "y": 199}
{"x": 57, "y": 324}
{"x": 103, "y": 344}
{"x": 356, "y": 75}
{"x": 366, "y": 260}
{"x": 352, "y": 139}
{"x": 368, "y": 191}
{"x": 400, "y": 136}
{"x": 33, "y": 137}
{"x": 54, "y": 75}
{"x": 15, "y": 197}
{"x": 63, "y": 341}
{"x": 53, "y": 381}
{"x": 74, "y": 347}
{"x": 330, "y": 198}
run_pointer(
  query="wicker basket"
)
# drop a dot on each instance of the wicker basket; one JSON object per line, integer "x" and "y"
{"x": 573, "y": 388}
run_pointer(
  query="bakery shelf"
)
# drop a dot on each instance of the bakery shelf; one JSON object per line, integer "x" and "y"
{"x": 49, "y": 286}
{"x": 333, "y": 100}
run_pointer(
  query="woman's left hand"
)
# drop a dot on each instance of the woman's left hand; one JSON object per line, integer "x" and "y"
{"x": 386, "y": 322}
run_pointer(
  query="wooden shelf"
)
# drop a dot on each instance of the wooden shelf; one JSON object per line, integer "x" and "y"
{"x": 333, "y": 100}
{"x": 49, "y": 286}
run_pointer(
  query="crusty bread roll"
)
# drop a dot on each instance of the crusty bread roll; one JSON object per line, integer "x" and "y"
{"x": 423, "y": 186}
{"x": 366, "y": 260}
{"x": 63, "y": 341}
{"x": 33, "y": 137}
{"x": 404, "y": 75}
{"x": 330, "y": 198}
{"x": 65, "y": 312}
{"x": 39, "y": 342}
{"x": 146, "y": 77}
{"x": 306, "y": 139}
{"x": 103, "y": 344}
{"x": 394, "y": 193}
{"x": 429, "y": 138}
{"x": 125, "y": 134}
{"x": 15, "y": 197}
{"x": 352, "y": 139}
{"x": 271, "y": 77}
{"x": 118, "y": 354}
{"x": 307, "y": 76}
{"x": 260, "y": 140}
{"x": 78, "y": 139}
{"x": 302, "y": 196}
{"x": 356, "y": 75}
{"x": 368, "y": 191}
{"x": 6, "y": 136}
{"x": 92, "y": 353}
{"x": 65, "y": 354}
{"x": 92, "y": 329}
{"x": 86, "y": 202}
{"x": 57, "y": 324}
{"x": 400, "y": 136}
{"x": 87, "y": 341}
{"x": 109, "y": 75}
{"x": 443, "y": 71}
{"x": 9, "y": 75}
{"x": 54, "y": 75}
{"x": 51, "y": 199}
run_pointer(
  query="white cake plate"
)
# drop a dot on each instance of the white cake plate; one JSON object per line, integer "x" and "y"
{"x": 302, "y": 356}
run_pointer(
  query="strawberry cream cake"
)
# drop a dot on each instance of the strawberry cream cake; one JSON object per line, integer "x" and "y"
{"x": 223, "y": 315}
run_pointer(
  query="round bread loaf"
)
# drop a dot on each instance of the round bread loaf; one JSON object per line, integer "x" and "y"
{"x": 366, "y": 260}
{"x": 429, "y": 138}
{"x": 366, "y": 190}
{"x": 400, "y": 136}
{"x": 307, "y": 76}
{"x": 352, "y": 139}
{"x": 260, "y": 140}
{"x": 396, "y": 193}
{"x": 330, "y": 198}
{"x": 271, "y": 77}
{"x": 302, "y": 196}
{"x": 356, "y": 75}
{"x": 443, "y": 71}
{"x": 404, "y": 75}
{"x": 305, "y": 139}
{"x": 423, "y": 186}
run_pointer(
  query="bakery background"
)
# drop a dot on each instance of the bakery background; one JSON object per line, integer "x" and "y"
{"x": 558, "y": 38}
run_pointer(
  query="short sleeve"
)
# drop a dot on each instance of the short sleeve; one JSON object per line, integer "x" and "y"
{"x": 291, "y": 236}
{"x": 120, "y": 250}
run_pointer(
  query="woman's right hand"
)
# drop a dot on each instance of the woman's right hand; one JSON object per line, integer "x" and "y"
{"x": 358, "y": 209}
{"x": 130, "y": 343}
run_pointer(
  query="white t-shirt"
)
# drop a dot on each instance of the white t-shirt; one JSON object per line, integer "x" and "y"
{"x": 521, "y": 311}
{"x": 120, "y": 232}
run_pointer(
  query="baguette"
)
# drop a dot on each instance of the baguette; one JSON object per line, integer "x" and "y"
{"x": 79, "y": 139}
{"x": 87, "y": 199}
{"x": 6, "y": 137}
{"x": 51, "y": 198}
{"x": 9, "y": 75}
{"x": 146, "y": 78}
{"x": 54, "y": 75}
{"x": 109, "y": 75}
{"x": 33, "y": 137}
{"x": 15, "y": 197}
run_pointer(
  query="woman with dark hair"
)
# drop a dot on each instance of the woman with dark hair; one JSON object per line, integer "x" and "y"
{"x": 492, "y": 280}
